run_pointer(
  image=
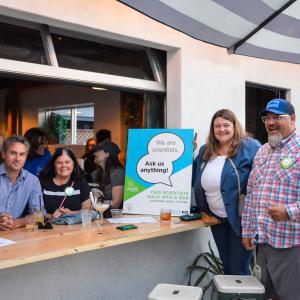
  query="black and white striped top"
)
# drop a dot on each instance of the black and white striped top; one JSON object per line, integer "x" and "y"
{"x": 54, "y": 194}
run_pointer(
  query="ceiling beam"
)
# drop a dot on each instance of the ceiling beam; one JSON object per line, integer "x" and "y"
{"x": 234, "y": 47}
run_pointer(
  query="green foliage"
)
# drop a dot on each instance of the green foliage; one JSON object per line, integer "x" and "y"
{"x": 55, "y": 127}
{"x": 204, "y": 264}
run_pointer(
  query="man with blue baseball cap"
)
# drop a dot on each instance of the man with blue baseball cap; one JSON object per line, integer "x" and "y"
{"x": 279, "y": 107}
{"x": 271, "y": 216}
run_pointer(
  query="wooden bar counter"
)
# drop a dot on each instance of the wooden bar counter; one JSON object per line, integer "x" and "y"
{"x": 83, "y": 263}
{"x": 71, "y": 239}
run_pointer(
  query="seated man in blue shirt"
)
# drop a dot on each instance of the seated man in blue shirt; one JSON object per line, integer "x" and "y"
{"x": 19, "y": 188}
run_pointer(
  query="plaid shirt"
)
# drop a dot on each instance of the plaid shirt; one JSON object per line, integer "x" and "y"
{"x": 271, "y": 184}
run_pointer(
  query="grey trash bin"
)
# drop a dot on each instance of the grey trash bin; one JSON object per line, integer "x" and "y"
{"x": 233, "y": 287}
{"x": 165, "y": 291}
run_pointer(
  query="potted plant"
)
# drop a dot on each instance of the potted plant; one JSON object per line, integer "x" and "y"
{"x": 204, "y": 264}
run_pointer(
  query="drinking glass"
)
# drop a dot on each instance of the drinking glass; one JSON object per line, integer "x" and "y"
{"x": 101, "y": 206}
{"x": 165, "y": 215}
{"x": 31, "y": 224}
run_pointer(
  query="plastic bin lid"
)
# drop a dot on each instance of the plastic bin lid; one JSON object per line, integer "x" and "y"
{"x": 238, "y": 284}
{"x": 165, "y": 291}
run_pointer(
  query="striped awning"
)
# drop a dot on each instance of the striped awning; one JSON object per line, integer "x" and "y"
{"x": 267, "y": 29}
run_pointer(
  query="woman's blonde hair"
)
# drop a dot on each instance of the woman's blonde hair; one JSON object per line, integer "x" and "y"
{"x": 212, "y": 145}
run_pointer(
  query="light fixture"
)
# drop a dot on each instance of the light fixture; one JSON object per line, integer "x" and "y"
{"x": 98, "y": 88}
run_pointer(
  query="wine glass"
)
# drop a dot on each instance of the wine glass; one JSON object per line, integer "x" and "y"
{"x": 101, "y": 206}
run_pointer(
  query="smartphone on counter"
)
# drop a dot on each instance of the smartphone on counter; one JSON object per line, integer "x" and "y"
{"x": 127, "y": 227}
{"x": 191, "y": 217}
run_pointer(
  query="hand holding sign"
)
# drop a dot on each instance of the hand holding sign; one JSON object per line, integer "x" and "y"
{"x": 157, "y": 166}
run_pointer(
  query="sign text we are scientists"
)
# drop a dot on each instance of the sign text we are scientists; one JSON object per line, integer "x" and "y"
{"x": 158, "y": 171}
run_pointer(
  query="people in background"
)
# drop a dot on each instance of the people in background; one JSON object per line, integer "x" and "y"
{"x": 19, "y": 188}
{"x": 102, "y": 135}
{"x": 271, "y": 216}
{"x": 221, "y": 167}
{"x": 65, "y": 189}
{"x": 109, "y": 175}
{"x": 39, "y": 154}
{"x": 88, "y": 147}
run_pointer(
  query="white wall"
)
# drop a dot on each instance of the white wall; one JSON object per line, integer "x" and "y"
{"x": 201, "y": 77}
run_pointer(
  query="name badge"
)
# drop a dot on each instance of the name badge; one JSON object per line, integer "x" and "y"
{"x": 69, "y": 191}
{"x": 286, "y": 162}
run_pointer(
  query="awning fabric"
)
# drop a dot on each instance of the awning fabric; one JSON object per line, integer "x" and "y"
{"x": 267, "y": 29}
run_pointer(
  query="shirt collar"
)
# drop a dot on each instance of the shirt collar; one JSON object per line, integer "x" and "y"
{"x": 288, "y": 138}
{"x": 3, "y": 171}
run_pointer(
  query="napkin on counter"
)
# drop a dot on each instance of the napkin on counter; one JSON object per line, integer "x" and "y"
{"x": 5, "y": 242}
{"x": 70, "y": 219}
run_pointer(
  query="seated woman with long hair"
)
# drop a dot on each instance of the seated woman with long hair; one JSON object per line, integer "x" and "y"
{"x": 65, "y": 189}
{"x": 110, "y": 174}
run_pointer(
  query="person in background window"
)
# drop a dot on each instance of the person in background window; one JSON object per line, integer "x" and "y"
{"x": 89, "y": 146}
{"x": 102, "y": 135}
{"x": 65, "y": 190}
{"x": 216, "y": 187}
{"x": 109, "y": 175}
{"x": 39, "y": 154}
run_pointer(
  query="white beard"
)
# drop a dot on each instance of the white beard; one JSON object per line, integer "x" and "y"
{"x": 274, "y": 140}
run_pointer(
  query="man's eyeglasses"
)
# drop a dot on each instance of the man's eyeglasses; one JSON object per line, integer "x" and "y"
{"x": 275, "y": 119}
{"x": 47, "y": 225}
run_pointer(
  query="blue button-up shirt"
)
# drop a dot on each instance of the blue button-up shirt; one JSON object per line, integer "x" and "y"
{"x": 14, "y": 197}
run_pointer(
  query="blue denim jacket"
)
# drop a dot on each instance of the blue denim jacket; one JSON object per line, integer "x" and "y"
{"x": 229, "y": 184}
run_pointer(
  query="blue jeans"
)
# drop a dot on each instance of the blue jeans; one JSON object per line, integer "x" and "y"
{"x": 236, "y": 259}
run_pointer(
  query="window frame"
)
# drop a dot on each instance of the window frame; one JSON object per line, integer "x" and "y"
{"x": 43, "y": 111}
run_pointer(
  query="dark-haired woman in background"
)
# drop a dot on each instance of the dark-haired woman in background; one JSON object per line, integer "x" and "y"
{"x": 88, "y": 147}
{"x": 38, "y": 154}
{"x": 110, "y": 174}
{"x": 65, "y": 189}
{"x": 215, "y": 181}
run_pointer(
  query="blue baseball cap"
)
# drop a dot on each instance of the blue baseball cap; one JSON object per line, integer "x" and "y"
{"x": 278, "y": 107}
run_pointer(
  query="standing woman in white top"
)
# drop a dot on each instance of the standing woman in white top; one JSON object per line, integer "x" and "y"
{"x": 220, "y": 170}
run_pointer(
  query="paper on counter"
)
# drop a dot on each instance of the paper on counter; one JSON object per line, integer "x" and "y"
{"x": 5, "y": 242}
{"x": 134, "y": 220}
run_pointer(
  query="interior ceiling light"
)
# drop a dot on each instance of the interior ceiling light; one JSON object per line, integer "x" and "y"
{"x": 98, "y": 88}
